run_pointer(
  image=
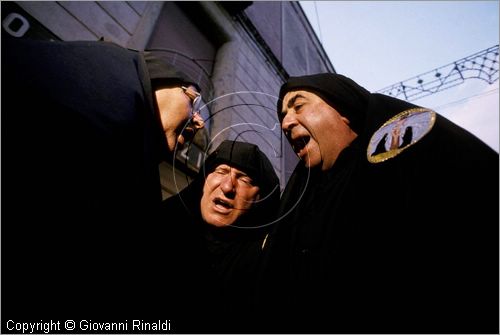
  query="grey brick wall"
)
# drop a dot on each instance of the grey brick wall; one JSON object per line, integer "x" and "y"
{"x": 255, "y": 50}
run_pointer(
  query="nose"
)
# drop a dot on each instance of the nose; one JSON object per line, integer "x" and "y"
{"x": 289, "y": 121}
{"x": 180, "y": 141}
{"x": 227, "y": 185}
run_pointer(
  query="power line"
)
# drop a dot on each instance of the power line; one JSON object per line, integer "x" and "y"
{"x": 319, "y": 26}
{"x": 475, "y": 96}
{"x": 481, "y": 65}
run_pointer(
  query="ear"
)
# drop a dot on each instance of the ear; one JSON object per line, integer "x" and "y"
{"x": 346, "y": 120}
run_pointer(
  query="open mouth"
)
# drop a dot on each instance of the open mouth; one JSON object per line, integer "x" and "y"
{"x": 300, "y": 143}
{"x": 222, "y": 203}
{"x": 188, "y": 133}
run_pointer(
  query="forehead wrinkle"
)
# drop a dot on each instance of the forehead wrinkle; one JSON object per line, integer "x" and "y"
{"x": 229, "y": 168}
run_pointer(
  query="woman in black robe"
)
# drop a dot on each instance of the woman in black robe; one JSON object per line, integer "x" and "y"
{"x": 84, "y": 127}
{"x": 400, "y": 242}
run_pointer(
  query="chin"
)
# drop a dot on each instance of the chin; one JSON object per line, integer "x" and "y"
{"x": 218, "y": 223}
{"x": 311, "y": 164}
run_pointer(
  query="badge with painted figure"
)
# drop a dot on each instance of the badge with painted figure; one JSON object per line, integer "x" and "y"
{"x": 399, "y": 133}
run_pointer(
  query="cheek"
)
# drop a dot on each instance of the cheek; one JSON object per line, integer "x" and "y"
{"x": 205, "y": 202}
{"x": 210, "y": 185}
{"x": 249, "y": 198}
{"x": 182, "y": 116}
{"x": 323, "y": 127}
{"x": 180, "y": 111}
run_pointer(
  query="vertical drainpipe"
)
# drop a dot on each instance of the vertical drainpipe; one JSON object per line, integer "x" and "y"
{"x": 224, "y": 70}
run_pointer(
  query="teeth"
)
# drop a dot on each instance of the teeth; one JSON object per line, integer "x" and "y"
{"x": 222, "y": 203}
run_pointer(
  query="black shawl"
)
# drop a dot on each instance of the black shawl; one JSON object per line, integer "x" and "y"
{"x": 211, "y": 270}
{"x": 81, "y": 143}
{"x": 408, "y": 244}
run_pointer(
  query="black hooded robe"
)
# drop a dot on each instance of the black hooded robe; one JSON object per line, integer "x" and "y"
{"x": 81, "y": 143}
{"x": 210, "y": 272}
{"x": 407, "y": 245}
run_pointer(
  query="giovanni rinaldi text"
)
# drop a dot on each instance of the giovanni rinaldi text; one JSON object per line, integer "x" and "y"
{"x": 86, "y": 325}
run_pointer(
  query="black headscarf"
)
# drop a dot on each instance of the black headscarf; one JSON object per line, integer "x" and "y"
{"x": 340, "y": 92}
{"x": 162, "y": 74}
{"x": 365, "y": 111}
{"x": 390, "y": 243}
{"x": 248, "y": 158}
{"x": 211, "y": 270}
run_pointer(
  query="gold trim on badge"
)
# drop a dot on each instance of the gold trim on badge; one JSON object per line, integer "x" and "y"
{"x": 399, "y": 133}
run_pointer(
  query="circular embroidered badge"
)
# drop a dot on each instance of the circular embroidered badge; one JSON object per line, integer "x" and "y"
{"x": 399, "y": 133}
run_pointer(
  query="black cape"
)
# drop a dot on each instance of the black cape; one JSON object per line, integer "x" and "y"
{"x": 81, "y": 143}
{"x": 211, "y": 271}
{"x": 408, "y": 245}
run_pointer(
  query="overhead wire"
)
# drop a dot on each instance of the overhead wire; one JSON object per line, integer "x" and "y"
{"x": 319, "y": 25}
{"x": 475, "y": 96}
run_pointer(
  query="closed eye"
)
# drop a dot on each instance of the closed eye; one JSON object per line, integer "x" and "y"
{"x": 222, "y": 171}
{"x": 246, "y": 180}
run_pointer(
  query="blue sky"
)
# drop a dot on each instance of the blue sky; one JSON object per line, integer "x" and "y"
{"x": 380, "y": 43}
